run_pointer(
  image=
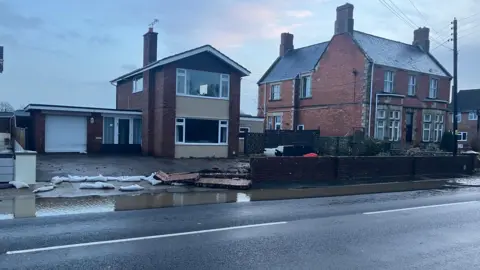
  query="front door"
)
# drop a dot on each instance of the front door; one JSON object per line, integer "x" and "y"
{"x": 123, "y": 131}
{"x": 409, "y": 127}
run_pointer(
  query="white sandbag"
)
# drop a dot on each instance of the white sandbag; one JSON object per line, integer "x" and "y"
{"x": 96, "y": 185}
{"x": 131, "y": 188}
{"x": 151, "y": 179}
{"x": 136, "y": 178}
{"x": 113, "y": 178}
{"x": 19, "y": 184}
{"x": 74, "y": 178}
{"x": 59, "y": 179}
{"x": 98, "y": 178}
{"x": 44, "y": 188}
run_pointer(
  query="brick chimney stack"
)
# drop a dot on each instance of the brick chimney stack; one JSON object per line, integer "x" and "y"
{"x": 421, "y": 38}
{"x": 286, "y": 43}
{"x": 344, "y": 21}
{"x": 150, "y": 47}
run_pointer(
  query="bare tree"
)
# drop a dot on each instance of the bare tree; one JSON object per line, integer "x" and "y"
{"x": 6, "y": 107}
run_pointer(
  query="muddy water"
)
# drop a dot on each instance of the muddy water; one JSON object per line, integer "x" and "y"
{"x": 29, "y": 206}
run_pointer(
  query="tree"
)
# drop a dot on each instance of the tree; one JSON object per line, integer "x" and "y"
{"x": 6, "y": 107}
{"x": 446, "y": 144}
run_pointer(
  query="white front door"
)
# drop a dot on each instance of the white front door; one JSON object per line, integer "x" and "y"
{"x": 65, "y": 134}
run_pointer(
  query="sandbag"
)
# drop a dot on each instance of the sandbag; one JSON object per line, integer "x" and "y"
{"x": 98, "y": 178}
{"x": 131, "y": 188}
{"x": 151, "y": 179}
{"x": 59, "y": 179}
{"x": 131, "y": 178}
{"x": 74, "y": 178}
{"x": 19, "y": 184}
{"x": 96, "y": 185}
{"x": 44, "y": 188}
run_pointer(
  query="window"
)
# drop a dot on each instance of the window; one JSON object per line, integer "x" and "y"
{"x": 472, "y": 116}
{"x": 270, "y": 122}
{"x": 108, "y": 130}
{"x": 202, "y": 83}
{"x": 275, "y": 92}
{"x": 381, "y": 114}
{"x": 433, "y": 88}
{"x": 438, "y": 128}
{"x": 306, "y": 87}
{"x": 388, "y": 82}
{"x": 201, "y": 131}
{"x": 412, "y": 85}
{"x": 300, "y": 127}
{"x": 137, "y": 85}
{"x": 137, "y": 131}
{"x": 462, "y": 136}
{"x": 278, "y": 122}
{"x": 380, "y": 129}
{"x": 394, "y": 127}
{"x": 427, "y": 127}
{"x": 459, "y": 118}
{"x": 243, "y": 131}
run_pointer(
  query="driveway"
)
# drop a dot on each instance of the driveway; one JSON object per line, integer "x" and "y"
{"x": 49, "y": 166}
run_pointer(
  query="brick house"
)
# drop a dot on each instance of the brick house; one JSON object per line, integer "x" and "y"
{"x": 190, "y": 101}
{"x": 389, "y": 89}
{"x": 468, "y": 122}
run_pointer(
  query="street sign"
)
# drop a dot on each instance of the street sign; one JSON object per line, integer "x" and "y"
{"x": 1, "y": 59}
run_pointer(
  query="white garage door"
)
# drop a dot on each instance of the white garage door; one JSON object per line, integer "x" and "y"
{"x": 67, "y": 134}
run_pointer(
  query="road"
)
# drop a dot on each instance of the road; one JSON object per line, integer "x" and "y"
{"x": 410, "y": 230}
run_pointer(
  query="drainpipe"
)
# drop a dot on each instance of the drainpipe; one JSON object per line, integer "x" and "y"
{"x": 371, "y": 99}
{"x": 265, "y": 106}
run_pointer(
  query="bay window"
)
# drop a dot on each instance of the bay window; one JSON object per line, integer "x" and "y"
{"x": 278, "y": 122}
{"x": 394, "y": 119}
{"x": 202, "y": 83}
{"x": 380, "y": 127}
{"x": 438, "y": 128}
{"x": 201, "y": 131}
{"x": 427, "y": 127}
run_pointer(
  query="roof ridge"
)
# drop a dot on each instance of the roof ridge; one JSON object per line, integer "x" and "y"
{"x": 361, "y": 32}
{"x": 311, "y": 45}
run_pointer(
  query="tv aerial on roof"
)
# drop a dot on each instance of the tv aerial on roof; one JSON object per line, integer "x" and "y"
{"x": 155, "y": 21}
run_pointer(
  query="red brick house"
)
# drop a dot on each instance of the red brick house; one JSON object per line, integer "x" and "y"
{"x": 468, "y": 122}
{"x": 389, "y": 89}
{"x": 190, "y": 102}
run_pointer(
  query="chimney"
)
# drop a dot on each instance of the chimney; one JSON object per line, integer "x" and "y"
{"x": 344, "y": 21}
{"x": 149, "y": 47}
{"x": 286, "y": 43}
{"x": 421, "y": 38}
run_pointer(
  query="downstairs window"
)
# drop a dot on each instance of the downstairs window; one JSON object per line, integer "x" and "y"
{"x": 201, "y": 131}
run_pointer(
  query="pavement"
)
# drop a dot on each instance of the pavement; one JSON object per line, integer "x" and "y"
{"x": 434, "y": 229}
{"x": 52, "y": 165}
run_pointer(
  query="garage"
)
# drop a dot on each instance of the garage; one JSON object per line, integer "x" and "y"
{"x": 65, "y": 134}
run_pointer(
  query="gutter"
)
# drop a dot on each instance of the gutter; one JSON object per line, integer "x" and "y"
{"x": 371, "y": 99}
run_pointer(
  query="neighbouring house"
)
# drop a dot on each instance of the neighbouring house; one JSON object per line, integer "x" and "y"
{"x": 468, "y": 102}
{"x": 190, "y": 102}
{"x": 389, "y": 89}
{"x": 249, "y": 123}
{"x": 71, "y": 129}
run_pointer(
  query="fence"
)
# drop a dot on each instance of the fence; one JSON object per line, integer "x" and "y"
{"x": 255, "y": 143}
{"x": 354, "y": 170}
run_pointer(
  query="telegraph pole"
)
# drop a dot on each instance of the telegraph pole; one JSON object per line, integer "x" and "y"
{"x": 455, "y": 87}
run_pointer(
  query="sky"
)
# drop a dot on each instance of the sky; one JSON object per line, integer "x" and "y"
{"x": 66, "y": 52}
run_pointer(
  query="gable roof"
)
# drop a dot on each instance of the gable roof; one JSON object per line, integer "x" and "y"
{"x": 179, "y": 56}
{"x": 400, "y": 55}
{"x": 295, "y": 62}
{"x": 467, "y": 100}
{"x": 381, "y": 50}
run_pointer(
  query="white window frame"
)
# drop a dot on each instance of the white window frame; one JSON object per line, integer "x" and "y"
{"x": 427, "y": 127}
{"x": 137, "y": 85}
{"x": 273, "y": 90}
{"x": 438, "y": 127}
{"x": 306, "y": 87}
{"x": 181, "y": 74}
{"x": 394, "y": 125}
{"x": 181, "y": 121}
{"x": 388, "y": 81}
{"x": 380, "y": 126}
{"x": 472, "y": 116}
{"x": 412, "y": 85}
{"x": 427, "y": 118}
{"x": 433, "y": 89}
{"x": 460, "y": 134}
{"x": 300, "y": 127}
{"x": 277, "y": 124}
{"x": 381, "y": 114}
{"x": 116, "y": 119}
{"x": 240, "y": 131}
{"x": 270, "y": 124}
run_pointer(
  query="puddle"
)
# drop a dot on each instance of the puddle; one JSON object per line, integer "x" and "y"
{"x": 30, "y": 206}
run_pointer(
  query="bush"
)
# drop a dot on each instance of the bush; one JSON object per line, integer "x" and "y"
{"x": 475, "y": 144}
{"x": 373, "y": 147}
{"x": 447, "y": 141}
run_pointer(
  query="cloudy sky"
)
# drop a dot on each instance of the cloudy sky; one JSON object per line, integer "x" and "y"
{"x": 65, "y": 52}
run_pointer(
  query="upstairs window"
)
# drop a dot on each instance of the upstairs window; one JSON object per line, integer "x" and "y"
{"x": 472, "y": 116}
{"x": 306, "y": 87}
{"x": 459, "y": 118}
{"x": 202, "y": 84}
{"x": 433, "y": 92}
{"x": 412, "y": 85}
{"x": 137, "y": 85}
{"x": 275, "y": 92}
{"x": 388, "y": 82}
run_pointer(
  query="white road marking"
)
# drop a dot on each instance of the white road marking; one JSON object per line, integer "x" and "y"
{"x": 143, "y": 238}
{"x": 418, "y": 207}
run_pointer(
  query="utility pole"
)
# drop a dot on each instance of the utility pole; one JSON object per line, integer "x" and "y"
{"x": 455, "y": 87}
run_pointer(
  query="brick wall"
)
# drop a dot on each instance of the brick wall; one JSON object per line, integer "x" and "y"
{"x": 353, "y": 170}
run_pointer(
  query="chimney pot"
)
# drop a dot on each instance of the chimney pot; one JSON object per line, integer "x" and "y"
{"x": 286, "y": 43}
{"x": 344, "y": 22}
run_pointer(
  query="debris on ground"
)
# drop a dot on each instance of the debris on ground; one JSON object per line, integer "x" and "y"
{"x": 134, "y": 187}
{"x": 234, "y": 183}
